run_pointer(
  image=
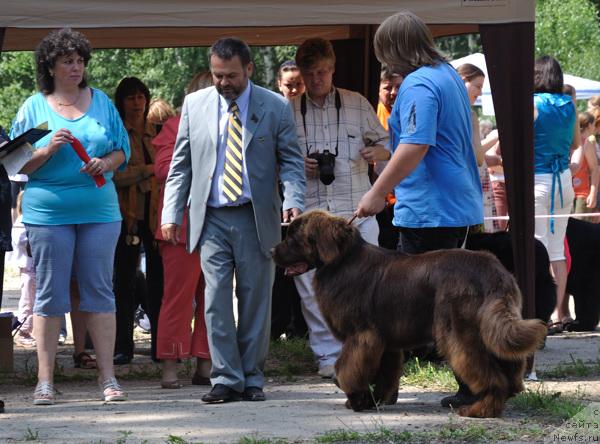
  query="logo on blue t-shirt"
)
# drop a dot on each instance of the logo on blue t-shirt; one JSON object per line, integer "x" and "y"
{"x": 412, "y": 120}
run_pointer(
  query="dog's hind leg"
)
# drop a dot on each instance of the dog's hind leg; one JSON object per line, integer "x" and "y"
{"x": 387, "y": 380}
{"x": 357, "y": 367}
{"x": 485, "y": 377}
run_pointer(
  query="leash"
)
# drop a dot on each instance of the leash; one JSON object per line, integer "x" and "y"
{"x": 351, "y": 220}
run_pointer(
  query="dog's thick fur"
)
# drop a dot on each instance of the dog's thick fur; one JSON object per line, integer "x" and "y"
{"x": 379, "y": 303}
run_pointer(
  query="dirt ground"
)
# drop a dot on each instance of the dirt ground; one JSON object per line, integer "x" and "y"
{"x": 296, "y": 411}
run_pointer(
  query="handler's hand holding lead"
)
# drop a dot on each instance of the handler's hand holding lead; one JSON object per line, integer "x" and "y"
{"x": 370, "y": 204}
{"x": 290, "y": 215}
{"x": 171, "y": 233}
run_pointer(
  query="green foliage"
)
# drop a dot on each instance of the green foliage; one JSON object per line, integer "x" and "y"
{"x": 549, "y": 404}
{"x": 17, "y": 82}
{"x": 457, "y": 46}
{"x": 166, "y": 72}
{"x": 290, "y": 357}
{"x": 569, "y": 30}
{"x": 427, "y": 374}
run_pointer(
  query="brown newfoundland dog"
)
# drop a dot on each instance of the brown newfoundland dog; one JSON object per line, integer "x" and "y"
{"x": 379, "y": 302}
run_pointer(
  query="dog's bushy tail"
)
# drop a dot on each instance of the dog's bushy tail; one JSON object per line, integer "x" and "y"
{"x": 506, "y": 334}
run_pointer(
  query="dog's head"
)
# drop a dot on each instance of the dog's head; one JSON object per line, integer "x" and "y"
{"x": 314, "y": 239}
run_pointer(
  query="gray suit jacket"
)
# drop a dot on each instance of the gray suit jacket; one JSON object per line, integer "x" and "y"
{"x": 271, "y": 153}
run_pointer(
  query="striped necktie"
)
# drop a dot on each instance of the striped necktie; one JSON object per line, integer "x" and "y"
{"x": 232, "y": 175}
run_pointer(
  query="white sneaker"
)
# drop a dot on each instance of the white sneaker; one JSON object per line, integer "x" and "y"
{"x": 62, "y": 338}
{"x": 327, "y": 371}
{"x": 144, "y": 323}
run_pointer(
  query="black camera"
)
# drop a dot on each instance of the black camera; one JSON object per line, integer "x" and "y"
{"x": 326, "y": 166}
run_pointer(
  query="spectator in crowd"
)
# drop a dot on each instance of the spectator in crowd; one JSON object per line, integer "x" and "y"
{"x": 289, "y": 80}
{"x": 389, "y": 83}
{"x": 76, "y": 233}
{"x": 585, "y": 180}
{"x": 556, "y": 133}
{"x": 159, "y": 112}
{"x": 340, "y": 128}
{"x": 286, "y": 311}
{"x": 138, "y": 200}
{"x": 433, "y": 168}
{"x": 184, "y": 283}
{"x": 235, "y": 141}
{"x": 473, "y": 78}
{"x": 24, "y": 261}
{"x": 5, "y": 222}
{"x": 593, "y": 103}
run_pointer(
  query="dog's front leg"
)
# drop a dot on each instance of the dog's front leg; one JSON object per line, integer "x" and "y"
{"x": 357, "y": 367}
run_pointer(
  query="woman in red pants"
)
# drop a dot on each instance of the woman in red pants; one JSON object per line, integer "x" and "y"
{"x": 183, "y": 280}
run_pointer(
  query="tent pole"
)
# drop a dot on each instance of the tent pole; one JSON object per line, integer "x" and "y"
{"x": 509, "y": 51}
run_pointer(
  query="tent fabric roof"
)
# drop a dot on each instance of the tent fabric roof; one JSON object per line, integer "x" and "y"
{"x": 193, "y": 13}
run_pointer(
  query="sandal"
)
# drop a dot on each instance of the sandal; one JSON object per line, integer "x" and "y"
{"x": 85, "y": 361}
{"x": 112, "y": 391}
{"x": 568, "y": 323}
{"x": 43, "y": 394}
{"x": 554, "y": 327}
{"x": 171, "y": 384}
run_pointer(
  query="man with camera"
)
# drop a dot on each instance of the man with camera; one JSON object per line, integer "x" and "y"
{"x": 339, "y": 134}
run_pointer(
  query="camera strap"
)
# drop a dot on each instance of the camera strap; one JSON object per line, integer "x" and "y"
{"x": 338, "y": 106}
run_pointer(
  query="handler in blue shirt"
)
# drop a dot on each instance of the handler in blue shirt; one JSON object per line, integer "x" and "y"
{"x": 433, "y": 169}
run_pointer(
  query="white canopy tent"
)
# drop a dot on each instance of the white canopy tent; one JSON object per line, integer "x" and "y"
{"x": 585, "y": 88}
{"x": 506, "y": 28}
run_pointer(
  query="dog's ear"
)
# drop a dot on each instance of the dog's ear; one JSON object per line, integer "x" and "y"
{"x": 331, "y": 236}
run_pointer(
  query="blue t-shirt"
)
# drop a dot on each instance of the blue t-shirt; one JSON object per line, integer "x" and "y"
{"x": 553, "y": 132}
{"x": 444, "y": 190}
{"x": 57, "y": 193}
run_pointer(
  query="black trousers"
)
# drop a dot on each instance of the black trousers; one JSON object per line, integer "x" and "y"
{"x": 127, "y": 258}
{"x": 421, "y": 240}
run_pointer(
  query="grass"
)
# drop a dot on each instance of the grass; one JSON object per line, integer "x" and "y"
{"x": 427, "y": 374}
{"x": 258, "y": 440}
{"x": 574, "y": 368}
{"x": 290, "y": 358}
{"x": 552, "y": 405}
{"x": 31, "y": 435}
{"x": 450, "y": 432}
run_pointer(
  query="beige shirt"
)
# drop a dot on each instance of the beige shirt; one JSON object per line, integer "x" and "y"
{"x": 358, "y": 127}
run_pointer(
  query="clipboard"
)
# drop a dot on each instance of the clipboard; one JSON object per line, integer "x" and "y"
{"x": 30, "y": 136}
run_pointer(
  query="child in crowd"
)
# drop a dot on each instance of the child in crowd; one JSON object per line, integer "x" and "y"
{"x": 24, "y": 261}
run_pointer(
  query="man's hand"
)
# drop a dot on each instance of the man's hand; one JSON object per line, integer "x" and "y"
{"x": 370, "y": 204}
{"x": 311, "y": 167}
{"x": 375, "y": 152}
{"x": 171, "y": 233}
{"x": 291, "y": 214}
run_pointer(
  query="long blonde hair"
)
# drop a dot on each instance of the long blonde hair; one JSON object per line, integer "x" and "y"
{"x": 404, "y": 43}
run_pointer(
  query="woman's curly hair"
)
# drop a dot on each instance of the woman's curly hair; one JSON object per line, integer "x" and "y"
{"x": 59, "y": 43}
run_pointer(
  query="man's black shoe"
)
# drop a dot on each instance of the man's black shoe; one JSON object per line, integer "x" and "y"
{"x": 221, "y": 393}
{"x": 254, "y": 394}
{"x": 122, "y": 359}
{"x": 458, "y": 400}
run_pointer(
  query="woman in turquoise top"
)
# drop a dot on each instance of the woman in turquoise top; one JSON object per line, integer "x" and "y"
{"x": 555, "y": 134}
{"x": 72, "y": 225}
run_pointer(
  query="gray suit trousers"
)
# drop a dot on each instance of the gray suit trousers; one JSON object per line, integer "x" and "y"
{"x": 229, "y": 244}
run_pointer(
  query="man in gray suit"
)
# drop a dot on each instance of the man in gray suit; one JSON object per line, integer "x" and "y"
{"x": 235, "y": 141}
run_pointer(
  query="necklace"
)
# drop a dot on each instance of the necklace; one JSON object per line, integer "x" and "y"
{"x": 59, "y": 103}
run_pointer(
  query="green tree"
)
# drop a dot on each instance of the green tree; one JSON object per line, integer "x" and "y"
{"x": 569, "y": 30}
{"x": 166, "y": 71}
{"x": 17, "y": 82}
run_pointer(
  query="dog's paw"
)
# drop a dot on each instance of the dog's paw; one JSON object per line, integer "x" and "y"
{"x": 360, "y": 401}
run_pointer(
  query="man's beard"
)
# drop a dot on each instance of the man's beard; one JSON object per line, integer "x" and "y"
{"x": 230, "y": 93}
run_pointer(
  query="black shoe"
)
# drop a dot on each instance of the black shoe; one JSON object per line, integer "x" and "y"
{"x": 221, "y": 393}
{"x": 458, "y": 400}
{"x": 122, "y": 359}
{"x": 254, "y": 394}
{"x": 1, "y": 406}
